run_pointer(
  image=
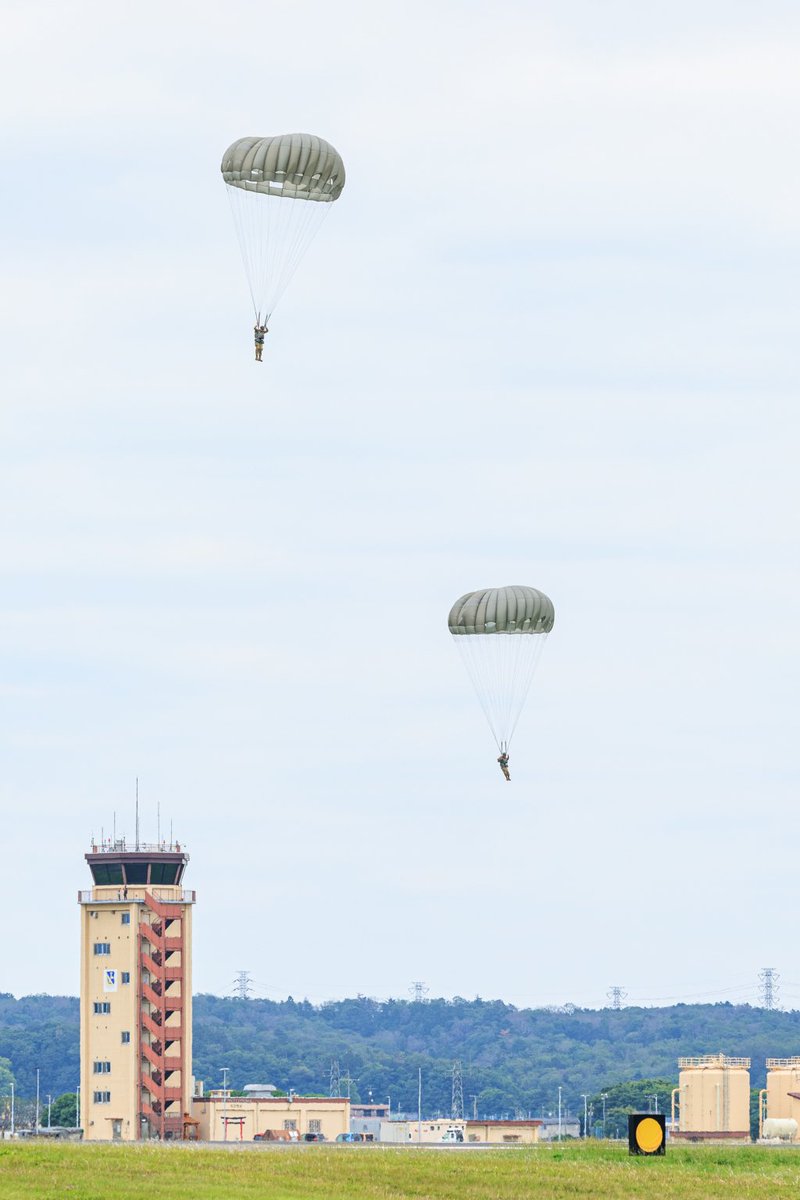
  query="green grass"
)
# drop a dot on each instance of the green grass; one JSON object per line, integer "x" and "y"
{"x": 154, "y": 1172}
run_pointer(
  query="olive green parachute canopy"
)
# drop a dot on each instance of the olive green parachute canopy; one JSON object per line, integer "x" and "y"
{"x": 502, "y": 610}
{"x": 297, "y": 166}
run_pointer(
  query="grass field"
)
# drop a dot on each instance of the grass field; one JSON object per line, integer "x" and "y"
{"x": 81, "y": 1172}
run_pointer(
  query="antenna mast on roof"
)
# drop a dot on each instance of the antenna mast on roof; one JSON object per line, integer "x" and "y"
{"x": 137, "y": 812}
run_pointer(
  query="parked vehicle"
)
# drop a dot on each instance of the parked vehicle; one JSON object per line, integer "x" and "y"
{"x": 346, "y": 1137}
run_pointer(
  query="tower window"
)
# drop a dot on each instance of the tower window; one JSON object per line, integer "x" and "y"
{"x": 102, "y": 1006}
{"x": 101, "y": 1068}
{"x": 102, "y": 1097}
{"x": 126, "y": 1037}
{"x": 126, "y": 976}
{"x": 314, "y": 1125}
{"x": 126, "y": 918}
{"x": 102, "y": 947}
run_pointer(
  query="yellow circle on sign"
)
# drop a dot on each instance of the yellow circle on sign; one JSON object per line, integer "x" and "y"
{"x": 648, "y": 1135}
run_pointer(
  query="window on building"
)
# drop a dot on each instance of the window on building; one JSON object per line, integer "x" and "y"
{"x": 126, "y": 976}
{"x": 290, "y": 1124}
{"x": 102, "y": 1097}
{"x": 102, "y": 947}
{"x": 101, "y": 1067}
{"x": 126, "y": 1037}
{"x": 126, "y": 918}
{"x": 102, "y": 1006}
{"x": 314, "y": 1126}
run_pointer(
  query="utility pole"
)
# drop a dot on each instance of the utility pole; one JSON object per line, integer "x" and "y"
{"x": 457, "y": 1094}
{"x": 78, "y": 1107}
{"x": 769, "y": 987}
{"x": 419, "y": 1106}
{"x": 419, "y": 991}
{"x": 37, "y": 1099}
{"x": 604, "y": 1097}
{"x": 12, "y": 1109}
{"x": 225, "y": 1102}
{"x": 616, "y": 995}
{"x": 242, "y": 987}
{"x": 585, "y": 1114}
{"x": 336, "y": 1079}
{"x": 474, "y": 1100}
{"x": 559, "y": 1113}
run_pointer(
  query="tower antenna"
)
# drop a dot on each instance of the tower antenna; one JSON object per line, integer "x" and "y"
{"x": 457, "y": 1095}
{"x": 242, "y": 986}
{"x": 137, "y": 812}
{"x": 158, "y": 822}
{"x": 769, "y": 988}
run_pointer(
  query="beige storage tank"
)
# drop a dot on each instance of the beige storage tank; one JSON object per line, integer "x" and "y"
{"x": 713, "y": 1096}
{"x": 783, "y": 1079}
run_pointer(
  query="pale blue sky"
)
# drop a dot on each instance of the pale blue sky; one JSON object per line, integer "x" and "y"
{"x": 548, "y": 335}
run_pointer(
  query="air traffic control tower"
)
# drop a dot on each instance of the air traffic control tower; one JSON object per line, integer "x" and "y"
{"x": 136, "y": 992}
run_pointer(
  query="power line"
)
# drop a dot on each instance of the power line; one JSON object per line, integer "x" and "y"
{"x": 242, "y": 987}
{"x": 616, "y": 995}
{"x": 769, "y": 987}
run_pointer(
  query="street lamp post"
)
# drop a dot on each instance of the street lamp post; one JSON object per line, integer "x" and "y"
{"x": 585, "y": 1114}
{"x": 604, "y": 1097}
{"x": 12, "y": 1108}
{"x": 37, "y": 1099}
{"x": 78, "y": 1107}
{"x": 49, "y": 1107}
{"x": 559, "y": 1114}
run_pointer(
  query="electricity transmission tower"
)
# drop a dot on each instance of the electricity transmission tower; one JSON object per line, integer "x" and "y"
{"x": 419, "y": 990}
{"x": 616, "y": 995}
{"x": 242, "y": 986}
{"x": 336, "y": 1081}
{"x": 769, "y": 987}
{"x": 457, "y": 1102}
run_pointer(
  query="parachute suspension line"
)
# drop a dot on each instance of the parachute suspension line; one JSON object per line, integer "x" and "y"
{"x": 501, "y": 667}
{"x": 274, "y": 233}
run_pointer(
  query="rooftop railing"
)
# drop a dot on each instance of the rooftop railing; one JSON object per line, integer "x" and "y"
{"x": 165, "y": 896}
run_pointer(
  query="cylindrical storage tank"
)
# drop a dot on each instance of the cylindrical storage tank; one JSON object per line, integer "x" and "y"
{"x": 783, "y": 1078}
{"x": 783, "y": 1128}
{"x": 714, "y": 1097}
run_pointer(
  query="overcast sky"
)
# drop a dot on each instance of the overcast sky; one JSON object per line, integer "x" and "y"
{"x": 547, "y": 336}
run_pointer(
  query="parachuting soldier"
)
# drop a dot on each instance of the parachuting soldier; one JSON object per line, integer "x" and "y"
{"x": 259, "y": 332}
{"x": 499, "y": 633}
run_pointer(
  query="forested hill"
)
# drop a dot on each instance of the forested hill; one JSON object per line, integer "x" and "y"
{"x": 512, "y": 1058}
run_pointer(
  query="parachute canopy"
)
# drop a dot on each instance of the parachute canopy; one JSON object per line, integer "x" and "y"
{"x": 502, "y": 610}
{"x": 500, "y": 633}
{"x": 281, "y": 189}
{"x": 292, "y": 165}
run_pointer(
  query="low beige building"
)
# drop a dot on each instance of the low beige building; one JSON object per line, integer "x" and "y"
{"x": 226, "y": 1118}
{"x": 504, "y": 1133}
{"x": 712, "y": 1100}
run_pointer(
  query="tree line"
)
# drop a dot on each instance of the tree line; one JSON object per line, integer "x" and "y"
{"x": 513, "y": 1060}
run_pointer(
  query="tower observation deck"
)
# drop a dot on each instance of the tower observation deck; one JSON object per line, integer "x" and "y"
{"x": 136, "y": 995}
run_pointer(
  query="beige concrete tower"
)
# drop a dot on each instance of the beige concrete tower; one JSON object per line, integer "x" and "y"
{"x": 136, "y": 993}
